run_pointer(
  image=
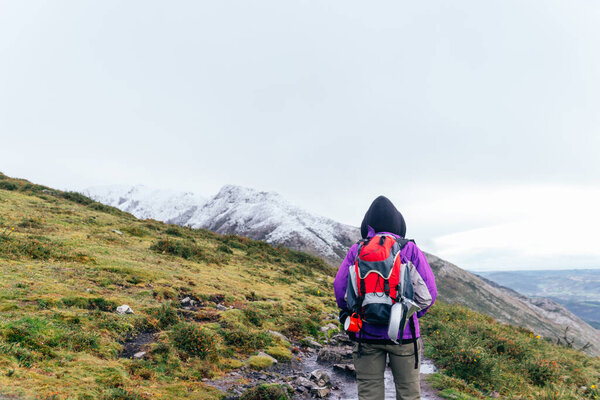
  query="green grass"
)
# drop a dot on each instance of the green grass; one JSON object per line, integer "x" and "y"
{"x": 479, "y": 356}
{"x": 63, "y": 272}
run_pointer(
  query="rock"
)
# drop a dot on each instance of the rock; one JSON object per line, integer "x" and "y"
{"x": 220, "y": 307}
{"x": 320, "y": 377}
{"x": 320, "y": 392}
{"x": 328, "y": 327}
{"x": 310, "y": 342}
{"x": 303, "y": 382}
{"x": 496, "y": 394}
{"x": 340, "y": 338}
{"x": 117, "y": 232}
{"x": 139, "y": 354}
{"x": 263, "y": 354}
{"x": 333, "y": 355}
{"x": 349, "y": 368}
{"x": 124, "y": 309}
{"x": 186, "y": 300}
{"x": 278, "y": 335}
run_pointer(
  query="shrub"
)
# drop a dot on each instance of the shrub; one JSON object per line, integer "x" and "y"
{"x": 76, "y": 197}
{"x": 134, "y": 230}
{"x": 94, "y": 303}
{"x": 542, "y": 372}
{"x": 260, "y": 362}
{"x": 121, "y": 394}
{"x": 82, "y": 341}
{"x": 37, "y": 248}
{"x": 223, "y": 248}
{"x": 193, "y": 340}
{"x": 186, "y": 250}
{"x": 166, "y": 315}
{"x": 242, "y": 338}
{"x": 299, "y": 326}
{"x": 266, "y": 392}
{"x": 279, "y": 353}
{"x": 30, "y": 223}
{"x": 8, "y": 185}
{"x": 174, "y": 231}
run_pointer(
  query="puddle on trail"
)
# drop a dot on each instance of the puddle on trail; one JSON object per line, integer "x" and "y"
{"x": 347, "y": 382}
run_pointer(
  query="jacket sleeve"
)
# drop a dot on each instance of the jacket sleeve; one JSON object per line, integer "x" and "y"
{"x": 341, "y": 279}
{"x": 420, "y": 262}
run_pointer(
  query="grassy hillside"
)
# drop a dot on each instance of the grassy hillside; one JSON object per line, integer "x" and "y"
{"x": 545, "y": 318}
{"x": 67, "y": 262}
{"x": 64, "y": 269}
{"x": 480, "y": 356}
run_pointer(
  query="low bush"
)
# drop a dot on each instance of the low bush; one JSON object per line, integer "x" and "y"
{"x": 174, "y": 231}
{"x": 166, "y": 315}
{"x": 135, "y": 230}
{"x": 260, "y": 362}
{"x": 223, "y": 248}
{"x": 6, "y": 185}
{"x": 242, "y": 338}
{"x": 186, "y": 250}
{"x": 121, "y": 394}
{"x": 267, "y": 392}
{"x": 194, "y": 341}
{"x": 298, "y": 326}
{"x": 279, "y": 353}
{"x": 92, "y": 303}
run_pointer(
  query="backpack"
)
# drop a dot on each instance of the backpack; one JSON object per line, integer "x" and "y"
{"x": 383, "y": 289}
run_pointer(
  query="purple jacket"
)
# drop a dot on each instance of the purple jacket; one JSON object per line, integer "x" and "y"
{"x": 409, "y": 252}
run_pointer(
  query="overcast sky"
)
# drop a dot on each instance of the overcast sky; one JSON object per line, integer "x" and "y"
{"x": 479, "y": 119}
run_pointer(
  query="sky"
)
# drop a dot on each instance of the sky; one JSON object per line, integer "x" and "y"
{"x": 479, "y": 120}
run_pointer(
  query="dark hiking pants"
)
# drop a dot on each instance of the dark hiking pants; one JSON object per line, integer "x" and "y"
{"x": 371, "y": 366}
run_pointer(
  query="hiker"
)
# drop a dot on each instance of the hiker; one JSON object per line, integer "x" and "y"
{"x": 365, "y": 303}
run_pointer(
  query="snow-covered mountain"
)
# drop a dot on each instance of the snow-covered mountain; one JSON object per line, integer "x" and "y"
{"x": 145, "y": 202}
{"x": 243, "y": 211}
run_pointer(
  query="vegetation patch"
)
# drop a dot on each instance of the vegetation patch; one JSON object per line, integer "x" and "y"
{"x": 481, "y": 356}
{"x": 259, "y": 362}
{"x": 267, "y": 392}
{"x": 280, "y": 353}
{"x": 186, "y": 250}
{"x": 193, "y": 340}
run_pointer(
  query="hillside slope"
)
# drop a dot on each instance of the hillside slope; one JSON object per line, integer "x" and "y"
{"x": 67, "y": 262}
{"x": 543, "y": 316}
{"x": 264, "y": 216}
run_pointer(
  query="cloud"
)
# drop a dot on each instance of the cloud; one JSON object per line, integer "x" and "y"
{"x": 540, "y": 226}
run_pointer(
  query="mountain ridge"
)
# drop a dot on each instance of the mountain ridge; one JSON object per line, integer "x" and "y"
{"x": 259, "y": 215}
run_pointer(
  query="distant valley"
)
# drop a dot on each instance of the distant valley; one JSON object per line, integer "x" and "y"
{"x": 576, "y": 289}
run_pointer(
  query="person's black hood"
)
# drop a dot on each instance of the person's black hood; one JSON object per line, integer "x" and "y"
{"x": 383, "y": 216}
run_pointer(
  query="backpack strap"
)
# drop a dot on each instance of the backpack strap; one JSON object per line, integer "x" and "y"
{"x": 413, "y": 332}
{"x": 403, "y": 242}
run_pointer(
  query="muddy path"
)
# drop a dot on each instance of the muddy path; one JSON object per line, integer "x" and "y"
{"x": 344, "y": 383}
{"x": 317, "y": 371}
